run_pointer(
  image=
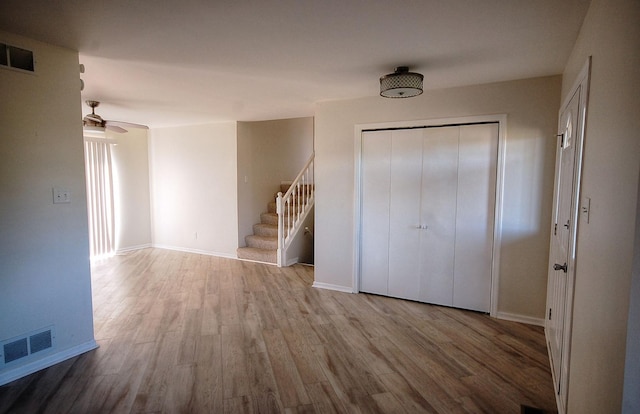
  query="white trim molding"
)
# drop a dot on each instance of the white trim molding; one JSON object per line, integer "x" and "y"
{"x": 31, "y": 367}
{"x": 197, "y": 251}
{"x": 520, "y": 318}
{"x": 329, "y": 286}
{"x": 133, "y": 248}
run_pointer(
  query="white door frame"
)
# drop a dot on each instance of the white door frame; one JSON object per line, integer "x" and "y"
{"x": 582, "y": 82}
{"x": 501, "y": 119}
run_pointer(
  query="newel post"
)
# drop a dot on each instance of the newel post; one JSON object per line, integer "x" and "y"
{"x": 279, "y": 210}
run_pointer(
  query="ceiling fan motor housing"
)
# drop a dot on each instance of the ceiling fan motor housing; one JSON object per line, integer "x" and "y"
{"x": 92, "y": 119}
{"x": 89, "y": 121}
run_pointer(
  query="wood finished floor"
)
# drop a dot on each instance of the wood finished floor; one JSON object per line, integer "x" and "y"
{"x": 187, "y": 333}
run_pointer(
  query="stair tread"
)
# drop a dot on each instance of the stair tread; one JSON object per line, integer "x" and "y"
{"x": 256, "y": 249}
{"x": 266, "y": 238}
{"x": 269, "y": 214}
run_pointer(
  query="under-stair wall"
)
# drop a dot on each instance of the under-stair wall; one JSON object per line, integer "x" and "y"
{"x": 301, "y": 248}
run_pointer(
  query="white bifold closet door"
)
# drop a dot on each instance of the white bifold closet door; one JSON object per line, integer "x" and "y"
{"x": 427, "y": 211}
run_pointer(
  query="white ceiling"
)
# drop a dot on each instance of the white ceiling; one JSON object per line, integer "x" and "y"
{"x": 169, "y": 62}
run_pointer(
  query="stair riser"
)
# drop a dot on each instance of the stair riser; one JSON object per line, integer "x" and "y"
{"x": 261, "y": 230}
{"x": 267, "y": 256}
{"x": 271, "y": 208}
{"x": 269, "y": 218}
{"x": 260, "y": 243}
{"x": 285, "y": 187}
{"x": 272, "y": 219}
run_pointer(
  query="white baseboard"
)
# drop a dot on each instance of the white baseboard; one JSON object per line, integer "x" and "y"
{"x": 520, "y": 318}
{"x": 46, "y": 362}
{"x": 196, "y": 251}
{"x": 133, "y": 248}
{"x": 329, "y": 286}
{"x": 255, "y": 261}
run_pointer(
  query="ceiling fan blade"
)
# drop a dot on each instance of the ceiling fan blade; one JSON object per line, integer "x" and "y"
{"x": 116, "y": 128}
{"x": 93, "y": 131}
{"x": 126, "y": 124}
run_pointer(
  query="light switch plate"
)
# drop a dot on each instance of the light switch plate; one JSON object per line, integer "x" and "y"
{"x": 585, "y": 208}
{"x": 61, "y": 196}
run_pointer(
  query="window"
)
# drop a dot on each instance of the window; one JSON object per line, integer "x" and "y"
{"x": 100, "y": 205}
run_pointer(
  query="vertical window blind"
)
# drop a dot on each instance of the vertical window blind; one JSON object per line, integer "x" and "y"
{"x": 100, "y": 202}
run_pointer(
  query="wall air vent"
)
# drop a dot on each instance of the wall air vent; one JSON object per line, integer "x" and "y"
{"x": 4, "y": 58}
{"x": 17, "y": 58}
{"x": 40, "y": 341}
{"x": 15, "y": 350}
{"x": 25, "y": 345}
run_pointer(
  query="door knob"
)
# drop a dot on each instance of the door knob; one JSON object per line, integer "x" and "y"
{"x": 560, "y": 267}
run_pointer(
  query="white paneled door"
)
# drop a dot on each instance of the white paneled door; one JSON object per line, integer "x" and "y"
{"x": 562, "y": 259}
{"x": 427, "y": 211}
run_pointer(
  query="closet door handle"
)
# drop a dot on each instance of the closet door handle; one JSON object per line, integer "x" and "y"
{"x": 422, "y": 227}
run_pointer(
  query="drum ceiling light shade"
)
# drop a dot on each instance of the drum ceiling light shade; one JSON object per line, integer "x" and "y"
{"x": 401, "y": 84}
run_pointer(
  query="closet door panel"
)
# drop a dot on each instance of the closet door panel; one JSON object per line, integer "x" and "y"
{"x": 404, "y": 214}
{"x": 427, "y": 214}
{"x": 438, "y": 213}
{"x": 376, "y": 175}
{"x": 478, "y": 151}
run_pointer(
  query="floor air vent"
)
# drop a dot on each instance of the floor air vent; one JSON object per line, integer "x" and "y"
{"x": 20, "y": 347}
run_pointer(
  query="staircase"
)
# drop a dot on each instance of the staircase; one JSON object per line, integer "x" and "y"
{"x": 272, "y": 237}
{"x": 262, "y": 245}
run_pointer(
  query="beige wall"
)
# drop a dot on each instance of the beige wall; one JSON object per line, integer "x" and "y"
{"x": 611, "y": 35}
{"x": 45, "y": 277}
{"x": 268, "y": 152}
{"x": 193, "y": 188}
{"x": 131, "y": 188}
{"x": 531, "y": 106}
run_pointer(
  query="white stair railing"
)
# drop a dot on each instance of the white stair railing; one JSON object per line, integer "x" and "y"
{"x": 293, "y": 207}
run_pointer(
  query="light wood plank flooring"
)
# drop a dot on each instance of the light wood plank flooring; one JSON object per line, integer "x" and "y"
{"x": 188, "y": 333}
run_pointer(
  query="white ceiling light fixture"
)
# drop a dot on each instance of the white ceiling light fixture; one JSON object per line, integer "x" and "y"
{"x": 401, "y": 83}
